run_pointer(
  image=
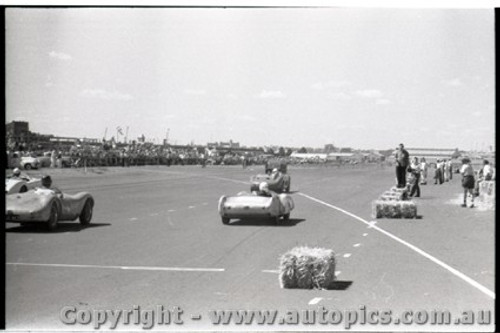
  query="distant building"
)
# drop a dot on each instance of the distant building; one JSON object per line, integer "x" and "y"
{"x": 17, "y": 132}
{"x": 340, "y": 157}
{"x": 18, "y": 136}
{"x": 433, "y": 154}
{"x": 224, "y": 145}
{"x": 309, "y": 156}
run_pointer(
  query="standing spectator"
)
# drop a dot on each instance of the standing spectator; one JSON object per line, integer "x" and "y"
{"x": 402, "y": 162}
{"x": 415, "y": 171}
{"x": 446, "y": 172}
{"x": 467, "y": 181}
{"x": 53, "y": 158}
{"x": 59, "y": 159}
{"x": 450, "y": 169}
{"x": 487, "y": 170}
{"x": 438, "y": 173}
{"x": 485, "y": 174}
{"x": 423, "y": 169}
{"x": 443, "y": 167}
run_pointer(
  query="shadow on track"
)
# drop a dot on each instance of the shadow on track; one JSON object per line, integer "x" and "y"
{"x": 263, "y": 222}
{"x": 335, "y": 285}
{"x": 339, "y": 285}
{"x": 61, "y": 227}
{"x": 292, "y": 192}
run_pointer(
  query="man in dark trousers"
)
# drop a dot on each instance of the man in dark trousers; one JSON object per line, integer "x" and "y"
{"x": 402, "y": 162}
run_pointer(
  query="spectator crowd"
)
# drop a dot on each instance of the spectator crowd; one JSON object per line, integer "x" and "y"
{"x": 412, "y": 174}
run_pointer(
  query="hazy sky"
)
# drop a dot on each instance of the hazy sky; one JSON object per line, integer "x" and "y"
{"x": 363, "y": 78}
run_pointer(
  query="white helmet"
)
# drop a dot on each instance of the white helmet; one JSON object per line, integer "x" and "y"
{"x": 16, "y": 172}
{"x": 263, "y": 187}
{"x": 275, "y": 170}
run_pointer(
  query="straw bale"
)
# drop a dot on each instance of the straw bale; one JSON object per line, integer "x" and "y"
{"x": 403, "y": 192}
{"x": 307, "y": 268}
{"x": 487, "y": 197}
{"x": 394, "y": 209}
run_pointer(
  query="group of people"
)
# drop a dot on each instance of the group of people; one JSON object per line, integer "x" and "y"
{"x": 470, "y": 184}
{"x": 417, "y": 172}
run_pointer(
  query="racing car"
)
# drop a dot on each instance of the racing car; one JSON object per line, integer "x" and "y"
{"x": 275, "y": 163}
{"x": 48, "y": 206}
{"x": 249, "y": 205}
{"x": 279, "y": 184}
{"x": 21, "y": 184}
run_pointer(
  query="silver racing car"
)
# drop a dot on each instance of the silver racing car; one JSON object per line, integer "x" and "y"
{"x": 248, "y": 205}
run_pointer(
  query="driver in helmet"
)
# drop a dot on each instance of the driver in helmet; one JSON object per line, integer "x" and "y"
{"x": 16, "y": 173}
{"x": 275, "y": 174}
{"x": 264, "y": 190}
{"x": 47, "y": 184}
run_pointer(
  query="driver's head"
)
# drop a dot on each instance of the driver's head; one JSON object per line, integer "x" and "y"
{"x": 16, "y": 172}
{"x": 275, "y": 170}
{"x": 264, "y": 187}
{"x": 47, "y": 181}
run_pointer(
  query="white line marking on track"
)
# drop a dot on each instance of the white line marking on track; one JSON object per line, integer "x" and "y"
{"x": 357, "y": 245}
{"x": 315, "y": 300}
{"x": 191, "y": 207}
{"x": 133, "y": 218}
{"x": 452, "y": 270}
{"x": 365, "y": 234}
{"x": 171, "y": 210}
{"x": 137, "y": 268}
{"x": 347, "y": 255}
{"x": 274, "y": 271}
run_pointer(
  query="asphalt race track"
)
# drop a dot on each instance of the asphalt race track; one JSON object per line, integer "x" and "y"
{"x": 156, "y": 239}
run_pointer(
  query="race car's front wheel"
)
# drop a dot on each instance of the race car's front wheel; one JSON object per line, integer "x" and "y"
{"x": 225, "y": 220}
{"x": 54, "y": 217}
{"x": 86, "y": 214}
{"x": 23, "y": 189}
{"x": 286, "y": 217}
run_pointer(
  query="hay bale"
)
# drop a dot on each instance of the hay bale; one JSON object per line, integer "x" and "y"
{"x": 403, "y": 192}
{"x": 487, "y": 195}
{"x": 394, "y": 209}
{"x": 388, "y": 196}
{"x": 307, "y": 268}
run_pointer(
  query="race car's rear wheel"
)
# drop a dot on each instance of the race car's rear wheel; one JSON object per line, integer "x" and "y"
{"x": 86, "y": 214}
{"x": 54, "y": 217}
{"x": 226, "y": 220}
{"x": 23, "y": 189}
{"x": 27, "y": 166}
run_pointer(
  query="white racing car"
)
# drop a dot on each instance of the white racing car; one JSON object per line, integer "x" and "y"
{"x": 245, "y": 205}
{"x": 21, "y": 184}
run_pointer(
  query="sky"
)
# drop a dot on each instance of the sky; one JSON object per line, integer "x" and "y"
{"x": 367, "y": 78}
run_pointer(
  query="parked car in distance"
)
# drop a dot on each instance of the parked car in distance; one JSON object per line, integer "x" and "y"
{"x": 29, "y": 162}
